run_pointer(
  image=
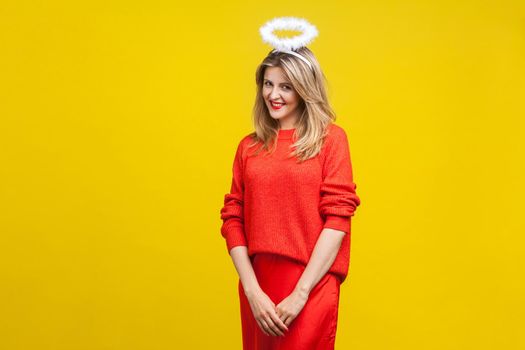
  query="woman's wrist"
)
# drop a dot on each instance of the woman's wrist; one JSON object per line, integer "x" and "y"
{"x": 251, "y": 288}
{"x": 302, "y": 290}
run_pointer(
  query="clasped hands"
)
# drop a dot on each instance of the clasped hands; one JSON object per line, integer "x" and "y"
{"x": 274, "y": 320}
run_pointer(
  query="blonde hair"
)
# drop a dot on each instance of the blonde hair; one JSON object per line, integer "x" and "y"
{"x": 316, "y": 113}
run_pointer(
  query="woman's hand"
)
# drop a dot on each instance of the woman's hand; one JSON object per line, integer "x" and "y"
{"x": 263, "y": 310}
{"x": 291, "y": 306}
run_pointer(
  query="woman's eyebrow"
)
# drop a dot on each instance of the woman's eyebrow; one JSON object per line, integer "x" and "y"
{"x": 285, "y": 83}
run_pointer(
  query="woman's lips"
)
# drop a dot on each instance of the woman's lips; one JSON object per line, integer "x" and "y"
{"x": 277, "y": 107}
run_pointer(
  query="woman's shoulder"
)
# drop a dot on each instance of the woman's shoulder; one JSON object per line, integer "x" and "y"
{"x": 335, "y": 133}
{"x": 246, "y": 141}
{"x": 335, "y": 130}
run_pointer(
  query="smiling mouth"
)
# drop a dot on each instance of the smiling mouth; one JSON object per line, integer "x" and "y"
{"x": 277, "y": 106}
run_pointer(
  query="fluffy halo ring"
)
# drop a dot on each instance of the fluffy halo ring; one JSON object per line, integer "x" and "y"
{"x": 309, "y": 32}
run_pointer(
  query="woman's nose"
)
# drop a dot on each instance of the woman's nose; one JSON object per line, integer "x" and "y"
{"x": 274, "y": 94}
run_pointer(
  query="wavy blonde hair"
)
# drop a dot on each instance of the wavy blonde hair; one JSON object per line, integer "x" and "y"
{"x": 316, "y": 113}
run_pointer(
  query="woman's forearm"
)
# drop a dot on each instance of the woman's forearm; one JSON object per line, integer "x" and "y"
{"x": 323, "y": 256}
{"x": 243, "y": 265}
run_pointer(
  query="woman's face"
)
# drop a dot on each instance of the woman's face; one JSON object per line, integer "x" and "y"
{"x": 281, "y": 98}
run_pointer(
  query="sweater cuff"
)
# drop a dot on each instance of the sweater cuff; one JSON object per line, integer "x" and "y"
{"x": 341, "y": 223}
{"x": 235, "y": 237}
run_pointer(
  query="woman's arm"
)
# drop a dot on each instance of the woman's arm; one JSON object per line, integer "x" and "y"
{"x": 262, "y": 306}
{"x": 338, "y": 203}
{"x": 323, "y": 256}
{"x": 243, "y": 265}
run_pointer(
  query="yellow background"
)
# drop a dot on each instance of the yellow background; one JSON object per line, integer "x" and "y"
{"x": 119, "y": 122}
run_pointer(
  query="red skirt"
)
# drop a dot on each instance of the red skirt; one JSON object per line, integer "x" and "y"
{"x": 316, "y": 325}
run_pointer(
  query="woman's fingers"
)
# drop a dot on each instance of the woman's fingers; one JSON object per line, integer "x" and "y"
{"x": 269, "y": 327}
{"x": 263, "y": 326}
{"x": 265, "y": 313}
{"x": 286, "y": 319}
{"x": 274, "y": 329}
{"x": 278, "y": 322}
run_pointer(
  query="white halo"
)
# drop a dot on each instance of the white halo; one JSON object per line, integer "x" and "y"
{"x": 309, "y": 32}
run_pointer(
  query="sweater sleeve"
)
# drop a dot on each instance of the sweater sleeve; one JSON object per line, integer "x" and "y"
{"x": 232, "y": 213}
{"x": 338, "y": 191}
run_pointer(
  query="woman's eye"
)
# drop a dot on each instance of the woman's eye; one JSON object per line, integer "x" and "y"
{"x": 267, "y": 83}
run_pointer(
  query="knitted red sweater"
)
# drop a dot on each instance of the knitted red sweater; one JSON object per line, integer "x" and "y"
{"x": 278, "y": 206}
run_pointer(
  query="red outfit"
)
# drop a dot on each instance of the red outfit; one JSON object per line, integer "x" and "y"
{"x": 278, "y": 206}
{"x": 315, "y": 326}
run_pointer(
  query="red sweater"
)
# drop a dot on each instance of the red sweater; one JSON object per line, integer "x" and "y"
{"x": 278, "y": 206}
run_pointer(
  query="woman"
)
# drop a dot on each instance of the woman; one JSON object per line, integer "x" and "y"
{"x": 286, "y": 220}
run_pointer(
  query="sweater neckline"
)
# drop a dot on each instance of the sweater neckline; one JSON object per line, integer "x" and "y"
{"x": 286, "y": 134}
